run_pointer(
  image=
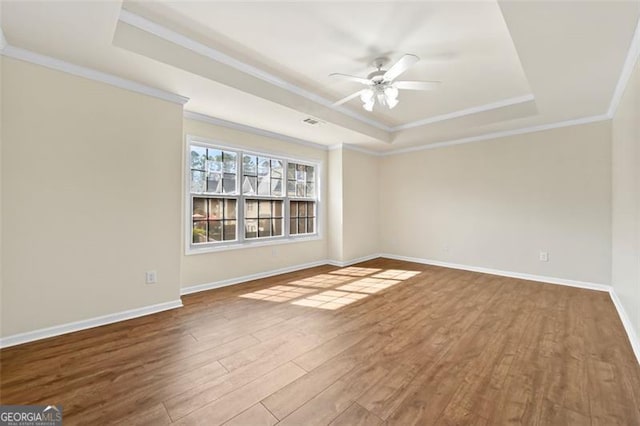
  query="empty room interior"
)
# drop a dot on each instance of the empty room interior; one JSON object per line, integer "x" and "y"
{"x": 320, "y": 213}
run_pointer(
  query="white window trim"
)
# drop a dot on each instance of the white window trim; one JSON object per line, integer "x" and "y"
{"x": 240, "y": 242}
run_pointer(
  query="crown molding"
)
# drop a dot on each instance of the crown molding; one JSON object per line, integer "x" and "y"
{"x": 249, "y": 129}
{"x": 346, "y": 146}
{"x": 495, "y": 135}
{"x": 174, "y": 37}
{"x": 464, "y": 112}
{"x": 630, "y": 62}
{"x": 181, "y": 40}
{"x": 501, "y": 134}
{"x": 91, "y": 74}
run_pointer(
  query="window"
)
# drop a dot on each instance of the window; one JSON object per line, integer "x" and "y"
{"x": 240, "y": 197}
{"x": 302, "y": 219}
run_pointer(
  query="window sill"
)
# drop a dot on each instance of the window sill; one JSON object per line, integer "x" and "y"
{"x": 248, "y": 245}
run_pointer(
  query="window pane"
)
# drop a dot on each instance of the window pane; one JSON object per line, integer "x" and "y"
{"x": 229, "y": 183}
{"x": 214, "y": 183}
{"x": 300, "y": 186}
{"x": 276, "y": 169}
{"x": 276, "y": 187}
{"x": 264, "y": 165}
{"x": 215, "y": 209}
{"x": 293, "y": 226}
{"x": 249, "y": 166}
{"x": 277, "y": 209}
{"x": 311, "y": 173}
{"x": 311, "y": 190}
{"x": 215, "y": 156}
{"x": 264, "y": 186}
{"x": 291, "y": 188}
{"x": 291, "y": 171}
{"x": 311, "y": 209}
{"x": 215, "y": 230}
{"x": 214, "y": 161}
{"x": 251, "y": 228}
{"x": 230, "y": 162}
{"x": 251, "y": 209}
{"x": 302, "y": 209}
{"x": 198, "y": 157}
{"x": 197, "y": 181}
{"x": 311, "y": 225}
{"x": 302, "y": 226}
{"x": 199, "y": 208}
{"x": 264, "y": 227}
{"x": 230, "y": 209}
{"x": 229, "y": 230}
{"x": 249, "y": 185}
{"x": 277, "y": 226}
{"x": 199, "y": 233}
{"x": 300, "y": 172}
{"x": 265, "y": 208}
{"x": 293, "y": 207}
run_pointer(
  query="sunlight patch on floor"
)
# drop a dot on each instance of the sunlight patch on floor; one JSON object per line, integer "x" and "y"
{"x": 322, "y": 281}
{"x": 333, "y": 290}
{"x": 278, "y": 293}
{"x": 355, "y": 271}
{"x": 368, "y": 285}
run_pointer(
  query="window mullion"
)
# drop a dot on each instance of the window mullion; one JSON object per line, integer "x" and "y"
{"x": 286, "y": 198}
{"x": 240, "y": 211}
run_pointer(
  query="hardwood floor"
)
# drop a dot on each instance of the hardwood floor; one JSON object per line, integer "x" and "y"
{"x": 383, "y": 342}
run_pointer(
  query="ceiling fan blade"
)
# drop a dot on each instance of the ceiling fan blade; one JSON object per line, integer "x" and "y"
{"x": 348, "y": 98}
{"x": 352, "y": 78}
{"x": 399, "y": 67}
{"x": 417, "y": 85}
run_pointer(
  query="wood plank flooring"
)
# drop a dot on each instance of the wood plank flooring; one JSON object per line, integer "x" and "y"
{"x": 381, "y": 343}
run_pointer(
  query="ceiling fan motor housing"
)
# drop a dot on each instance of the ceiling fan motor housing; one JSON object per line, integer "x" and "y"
{"x": 377, "y": 76}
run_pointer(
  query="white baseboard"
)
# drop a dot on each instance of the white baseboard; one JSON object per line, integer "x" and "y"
{"x": 626, "y": 321}
{"x": 343, "y": 263}
{"x": 57, "y": 330}
{"x": 238, "y": 280}
{"x": 510, "y": 274}
{"x": 147, "y": 310}
{"x": 628, "y": 325}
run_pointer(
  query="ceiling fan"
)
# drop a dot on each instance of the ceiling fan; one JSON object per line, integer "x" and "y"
{"x": 381, "y": 84}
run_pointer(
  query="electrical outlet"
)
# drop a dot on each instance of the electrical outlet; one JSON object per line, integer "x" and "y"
{"x": 151, "y": 277}
{"x": 544, "y": 256}
{"x": 274, "y": 252}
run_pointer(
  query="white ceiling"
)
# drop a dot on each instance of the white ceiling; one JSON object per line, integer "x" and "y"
{"x": 504, "y": 65}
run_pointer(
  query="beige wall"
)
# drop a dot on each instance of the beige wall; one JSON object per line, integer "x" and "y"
{"x": 1, "y": 132}
{"x": 353, "y": 205}
{"x": 626, "y": 200}
{"x": 204, "y": 268}
{"x": 93, "y": 196}
{"x": 497, "y": 203}
{"x": 335, "y": 247}
{"x": 360, "y": 204}
{"x": 90, "y": 198}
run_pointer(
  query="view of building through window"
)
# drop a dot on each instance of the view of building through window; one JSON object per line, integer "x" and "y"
{"x": 237, "y": 197}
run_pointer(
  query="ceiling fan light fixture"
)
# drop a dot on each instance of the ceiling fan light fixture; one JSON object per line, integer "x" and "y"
{"x": 366, "y": 95}
{"x": 382, "y": 87}
{"x": 391, "y": 92}
{"x": 369, "y": 105}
